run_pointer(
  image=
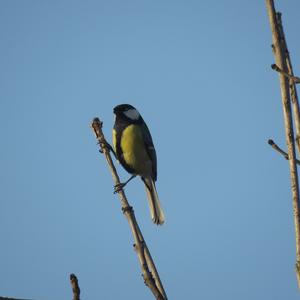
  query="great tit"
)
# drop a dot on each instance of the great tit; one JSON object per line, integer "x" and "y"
{"x": 135, "y": 151}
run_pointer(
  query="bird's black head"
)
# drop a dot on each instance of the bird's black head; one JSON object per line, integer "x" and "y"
{"x": 127, "y": 111}
{"x": 122, "y": 107}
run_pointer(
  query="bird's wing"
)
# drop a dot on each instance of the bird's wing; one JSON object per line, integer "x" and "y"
{"x": 150, "y": 149}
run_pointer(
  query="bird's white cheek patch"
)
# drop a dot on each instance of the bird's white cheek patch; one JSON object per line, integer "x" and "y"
{"x": 132, "y": 114}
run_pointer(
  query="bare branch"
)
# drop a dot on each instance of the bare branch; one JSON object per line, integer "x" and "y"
{"x": 274, "y": 146}
{"x": 149, "y": 271}
{"x": 281, "y": 54}
{"x": 6, "y": 298}
{"x": 283, "y": 153}
{"x": 292, "y": 83}
{"x": 295, "y": 79}
{"x": 75, "y": 287}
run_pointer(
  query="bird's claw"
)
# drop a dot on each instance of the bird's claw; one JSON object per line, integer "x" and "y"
{"x": 104, "y": 144}
{"x": 118, "y": 187}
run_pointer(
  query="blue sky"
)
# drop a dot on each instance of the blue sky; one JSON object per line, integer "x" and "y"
{"x": 199, "y": 73}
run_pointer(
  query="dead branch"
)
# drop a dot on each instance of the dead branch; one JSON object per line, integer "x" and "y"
{"x": 149, "y": 271}
{"x": 280, "y": 53}
{"x": 75, "y": 287}
{"x": 6, "y": 298}
{"x": 295, "y": 79}
{"x": 292, "y": 83}
{"x": 283, "y": 153}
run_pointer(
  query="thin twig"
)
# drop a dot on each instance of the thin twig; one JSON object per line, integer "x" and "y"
{"x": 149, "y": 271}
{"x": 75, "y": 287}
{"x": 280, "y": 59}
{"x": 295, "y": 79}
{"x": 292, "y": 83}
{"x": 296, "y": 111}
{"x": 8, "y": 298}
{"x": 283, "y": 153}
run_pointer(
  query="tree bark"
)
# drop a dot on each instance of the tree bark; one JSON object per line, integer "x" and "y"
{"x": 75, "y": 287}
{"x": 278, "y": 149}
{"x": 281, "y": 62}
{"x": 292, "y": 81}
{"x": 149, "y": 271}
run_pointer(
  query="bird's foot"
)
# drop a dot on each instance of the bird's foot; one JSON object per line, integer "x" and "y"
{"x": 118, "y": 187}
{"x": 105, "y": 144}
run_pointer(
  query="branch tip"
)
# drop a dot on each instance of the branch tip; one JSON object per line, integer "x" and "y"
{"x": 75, "y": 287}
{"x": 293, "y": 78}
{"x": 97, "y": 120}
{"x": 274, "y": 67}
{"x": 284, "y": 154}
{"x": 73, "y": 277}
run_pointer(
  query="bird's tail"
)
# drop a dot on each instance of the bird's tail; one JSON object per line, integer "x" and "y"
{"x": 156, "y": 211}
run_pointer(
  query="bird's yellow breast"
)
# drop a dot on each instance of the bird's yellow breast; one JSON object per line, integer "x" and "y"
{"x": 114, "y": 137}
{"x": 134, "y": 151}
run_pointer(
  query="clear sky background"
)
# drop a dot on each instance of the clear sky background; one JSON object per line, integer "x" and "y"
{"x": 199, "y": 73}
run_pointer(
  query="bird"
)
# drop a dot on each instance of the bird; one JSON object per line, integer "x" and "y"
{"x": 135, "y": 151}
